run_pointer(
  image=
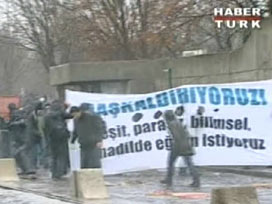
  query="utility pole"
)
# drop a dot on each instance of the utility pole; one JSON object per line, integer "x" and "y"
{"x": 169, "y": 72}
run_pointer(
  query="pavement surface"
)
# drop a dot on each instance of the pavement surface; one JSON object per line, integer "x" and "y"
{"x": 132, "y": 188}
{"x": 14, "y": 197}
{"x": 258, "y": 171}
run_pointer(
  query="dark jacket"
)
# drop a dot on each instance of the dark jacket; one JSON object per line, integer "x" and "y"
{"x": 55, "y": 128}
{"x": 181, "y": 138}
{"x": 17, "y": 128}
{"x": 89, "y": 129}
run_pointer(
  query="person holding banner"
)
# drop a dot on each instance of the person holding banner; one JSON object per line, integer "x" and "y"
{"x": 181, "y": 146}
{"x": 89, "y": 129}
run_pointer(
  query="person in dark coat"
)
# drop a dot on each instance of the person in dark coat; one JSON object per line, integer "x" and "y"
{"x": 35, "y": 135}
{"x": 20, "y": 142}
{"x": 181, "y": 146}
{"x": 89, "y": 129}
{"x": 56, "y": 131}
{"x": 5, "y": 146}
{"x": 45, "y": 155}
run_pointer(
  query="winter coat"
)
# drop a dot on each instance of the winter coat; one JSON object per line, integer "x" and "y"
{"x": 89, "y": 129}
{"x": 181, "y": 142}
{"x": 55, "y": 128}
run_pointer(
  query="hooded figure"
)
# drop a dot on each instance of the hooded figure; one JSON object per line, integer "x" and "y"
{"x": 181, "y": 146}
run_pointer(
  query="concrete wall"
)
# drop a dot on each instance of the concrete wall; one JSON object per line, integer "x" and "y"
{"x": 252, "y": 62}
{"x": 138, "y": 74}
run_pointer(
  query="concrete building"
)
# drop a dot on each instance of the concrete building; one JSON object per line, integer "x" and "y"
{"x": 252, "y": 62}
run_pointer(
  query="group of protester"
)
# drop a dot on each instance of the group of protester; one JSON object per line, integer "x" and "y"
{"x": 40, "y": 138}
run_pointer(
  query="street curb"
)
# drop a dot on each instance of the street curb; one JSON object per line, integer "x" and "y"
{"x": 47, "y": 195}
{"x": 256, "y": 173}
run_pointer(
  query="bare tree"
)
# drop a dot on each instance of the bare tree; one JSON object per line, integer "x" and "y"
{"x": 41, "y": 26}
{"x": 117, "y": 29}
{"x": 137, "y": 29}
{"x": 120, "y": 29}
{"x": 112, "y": 26}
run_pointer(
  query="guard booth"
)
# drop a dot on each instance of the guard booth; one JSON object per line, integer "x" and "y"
{"x": 5, "y": 141}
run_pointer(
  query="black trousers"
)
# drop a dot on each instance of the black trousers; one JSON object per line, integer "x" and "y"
{"x": 22, "y": 156}
{"x": 90, "y": 157}
{"x": 59, "y": 160}
{"x": 188, "y": 160}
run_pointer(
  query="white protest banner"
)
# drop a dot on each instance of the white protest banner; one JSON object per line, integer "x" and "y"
{"x": 234, "y": 129}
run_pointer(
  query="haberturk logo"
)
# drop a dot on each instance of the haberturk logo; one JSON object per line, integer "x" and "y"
{"x": 238, "y": 17}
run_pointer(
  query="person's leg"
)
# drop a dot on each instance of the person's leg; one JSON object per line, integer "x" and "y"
{"x": 16, "y": 154}
{"x": 182, "y": 171}
{"x": 193, "y": 171}
{"x": 64, "y": 159}
{"x": 60, "y": 165}
{"x": 41, "y": 154}
{"x": 47, "y": 152}
{"x": 95, "y": 158}
{"x": 33, "y": 154}
{"x": 45, "y": 160}
{"x": 20, "y": 163}
{"x": 22, "y": 157}
{"x": 54, "y": 165}
{"x": 170, "y": 169}
{"x": 84, "y": 158}
{"x": 48, "y": 157}
{"x": 28, "y": 171}
{"x": 55, "y": 149}
{"x": 66, "y": 155}
{"x": 25, "y": 157}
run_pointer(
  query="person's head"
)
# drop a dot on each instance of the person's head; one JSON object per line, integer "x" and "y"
{"x": 85, "y": 107}
{"x": 42, "y": 99}
{"x": 38, "y": 107}
{"x": 75, "y": 112}
{"x": 47, "y": 106}
{"x": 179, "y": 111}
{"x": 2, "y": 120}
{"x": 200, "y": 110}
{"x": 169, "y": 116}
{"x": 12, "y": 107}
{"x": 66, "y": 106}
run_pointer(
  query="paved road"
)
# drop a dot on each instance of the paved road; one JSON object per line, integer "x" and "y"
{"x": 16, "y": 197}
{"x": 134, "y": 188}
